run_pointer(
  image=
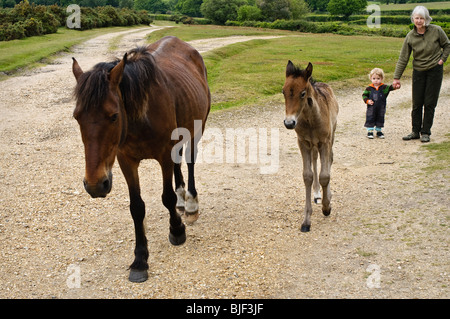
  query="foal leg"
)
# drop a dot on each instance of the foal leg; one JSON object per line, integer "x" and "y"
{"x": 179, "y": 182}
{"x": 308, "y": 180}
{"x": 191, "y": 205}
{"x": 326, "y": 159}
{"x": 177, "y": 235}
{"x": 138, "y": 269}
{"x": 316, "y": 185}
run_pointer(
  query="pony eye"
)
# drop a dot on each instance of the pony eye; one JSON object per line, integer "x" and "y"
{"x": 114, "y": 117}
{"x": 302, "y": 95}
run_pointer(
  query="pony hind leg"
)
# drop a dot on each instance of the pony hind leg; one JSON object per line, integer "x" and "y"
{"x": 179, "y": 183}
{"x": 177, "y": 235}
{"x": 191, "y": 197}
{"x": 326, "y": 159}
{"x": 316, "y": 185}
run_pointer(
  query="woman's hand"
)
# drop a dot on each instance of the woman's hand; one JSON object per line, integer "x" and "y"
{"x": 441, "y": 62}
{"x": 396, "y": 84}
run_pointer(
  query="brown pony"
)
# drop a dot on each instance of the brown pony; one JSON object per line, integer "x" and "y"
{"x": 312, "y": 109}
{"x": 130, "y": 109}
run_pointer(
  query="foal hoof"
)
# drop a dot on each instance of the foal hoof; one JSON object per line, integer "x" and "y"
{"x": 317, "y": 200}
{"x": 305, "y": 228}
{"x": 326, "y": 212}
{"x": 191, "y": 218}
{"x": 138, "y": 275}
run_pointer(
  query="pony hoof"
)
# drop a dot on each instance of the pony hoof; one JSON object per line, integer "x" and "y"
{"x": 318, "y": 200}
{"x": 191, "y": 218}
{"x": 180, "y": 209}
{"x": 305, "y": 228}
{"x": 177, "y": 240}
{"x": 327, "y": 212}
{"x": 138, "y": 275}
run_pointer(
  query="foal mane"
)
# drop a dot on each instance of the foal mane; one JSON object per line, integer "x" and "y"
{"x": 139, "y": 73}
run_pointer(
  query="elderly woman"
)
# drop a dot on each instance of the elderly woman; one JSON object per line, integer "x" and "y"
{"x": 431, "y": 47}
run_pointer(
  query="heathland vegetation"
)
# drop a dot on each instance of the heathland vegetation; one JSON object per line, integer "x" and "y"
{"x": 27, "y": 19}
{"x": 348, "y": 17}
{"x": 39, "y": 19}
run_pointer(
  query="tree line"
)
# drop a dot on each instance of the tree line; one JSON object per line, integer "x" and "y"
{"x": 220, "y": 11}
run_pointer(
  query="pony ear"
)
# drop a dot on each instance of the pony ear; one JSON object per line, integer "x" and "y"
{"x": 290, "y": 68}
{"x": 309, "y": 70}
{"x": 77, "y": 71}
{"x": 115, "y": 75}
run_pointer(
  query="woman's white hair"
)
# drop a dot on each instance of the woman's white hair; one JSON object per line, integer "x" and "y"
{"x": 423, "y": 12}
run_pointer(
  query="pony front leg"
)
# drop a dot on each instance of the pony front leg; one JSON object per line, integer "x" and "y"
{"x": 308, "y": 178}
{"x": 316, "y": 185}
{"x": 139, "y": 267}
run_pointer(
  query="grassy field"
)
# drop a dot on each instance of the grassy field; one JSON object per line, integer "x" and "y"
{"x": 411, "y": 6}
{"x": 29, "y": 52}
{"x": 245, "y": 72}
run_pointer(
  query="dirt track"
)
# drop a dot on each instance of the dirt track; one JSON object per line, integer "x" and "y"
{"x": 387, "y": 214}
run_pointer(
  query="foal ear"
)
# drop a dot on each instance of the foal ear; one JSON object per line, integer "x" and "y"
{"x": 77, "y": 71}
{"x": 115, "y": 75}
{"x": 309, "y": 70}
{"x": 290, "y": 68}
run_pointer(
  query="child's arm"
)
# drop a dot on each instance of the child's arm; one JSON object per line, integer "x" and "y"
{"x": 388, "y": 89}
{"x": 366, "y": 95}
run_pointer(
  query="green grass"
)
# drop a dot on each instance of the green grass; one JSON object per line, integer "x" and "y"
{"x": 28, "y": 52}
{"x": 411, "y": 6}
{"x": 440, "y": 155}
{"x": 246, "y": 72}
{"x": 195, "y": 32}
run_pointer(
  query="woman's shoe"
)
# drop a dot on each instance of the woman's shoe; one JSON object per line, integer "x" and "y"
{"x": 425, "y": 138}
{"x": 411, "y": 136}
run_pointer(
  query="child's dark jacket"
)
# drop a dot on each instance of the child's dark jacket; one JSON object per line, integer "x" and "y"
{"x": 375, "y": 113}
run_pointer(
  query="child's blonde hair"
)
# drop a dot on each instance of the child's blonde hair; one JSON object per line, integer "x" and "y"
{"x": 378, "y": 72}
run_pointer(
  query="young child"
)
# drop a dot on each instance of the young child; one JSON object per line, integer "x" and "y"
{"x": 375, "y": 96}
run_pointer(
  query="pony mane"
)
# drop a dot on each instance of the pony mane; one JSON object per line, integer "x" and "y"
{"x": 139, "y": 73}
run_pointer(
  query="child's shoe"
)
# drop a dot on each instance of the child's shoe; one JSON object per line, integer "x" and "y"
{"x": 380, "y": 134}
{"x": 370, "y": 135}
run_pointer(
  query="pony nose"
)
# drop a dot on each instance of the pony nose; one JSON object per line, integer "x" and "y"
{"x": 101, "y": 188}
{"x": 290, "y": 124}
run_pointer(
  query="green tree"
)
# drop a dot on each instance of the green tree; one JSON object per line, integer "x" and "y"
{"x": 249, "y": 13}
{"x": 318, "y": 5}
{"x": 346, "y": 7}
{"x": 275, "y": 9}
{"x": 150, "y": 5}
{"x": 220, "y": 11}
{"x": 189, "y": 7}
{"x": 298, "y": 8}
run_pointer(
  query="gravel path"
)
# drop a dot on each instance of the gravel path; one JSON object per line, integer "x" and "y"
{"x": 387, "y": 235}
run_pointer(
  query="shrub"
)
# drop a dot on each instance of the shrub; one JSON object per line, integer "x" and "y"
{"x": 33, "y": 27}
{"x": 27, "y": 19}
